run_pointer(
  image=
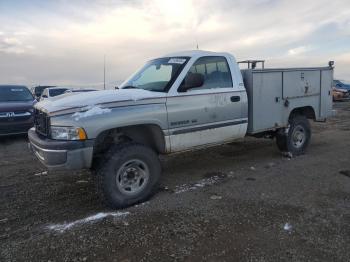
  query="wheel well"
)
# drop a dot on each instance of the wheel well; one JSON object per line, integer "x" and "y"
{"x": 307, "y": 111}
{"x": 149, "y": 135}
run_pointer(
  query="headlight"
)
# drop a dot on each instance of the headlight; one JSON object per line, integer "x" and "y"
{"x": 68, "y": 133}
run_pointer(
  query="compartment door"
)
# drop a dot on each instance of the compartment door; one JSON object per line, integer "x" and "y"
{"x": 326, "y": 93}
{"x": 267, "y": 103}
{"x": 301, "y": 83}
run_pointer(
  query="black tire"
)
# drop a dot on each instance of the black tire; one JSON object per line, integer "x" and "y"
{"x": 119, "y": 160}
{"x": 281, "y": 141}
{"x": 298, "y": 137}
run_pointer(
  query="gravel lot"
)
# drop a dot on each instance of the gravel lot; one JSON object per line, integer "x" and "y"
{"x": 238, "y": 202}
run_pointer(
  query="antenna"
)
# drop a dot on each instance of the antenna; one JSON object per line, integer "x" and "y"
{"x": 197, "y": 46}
{"x": 104, "y": 72}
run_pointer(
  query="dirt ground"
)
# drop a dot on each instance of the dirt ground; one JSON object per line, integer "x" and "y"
{"x": 238, "y": 202}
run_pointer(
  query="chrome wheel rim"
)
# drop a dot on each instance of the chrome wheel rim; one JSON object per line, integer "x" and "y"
{"x": 132, "y": 177}
{"x": 298, "y": 136}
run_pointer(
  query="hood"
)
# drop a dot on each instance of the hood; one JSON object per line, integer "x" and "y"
{"x": 16, "y": 106}
{"x": 88, "y": 99}
{"x": 340, "y": 90}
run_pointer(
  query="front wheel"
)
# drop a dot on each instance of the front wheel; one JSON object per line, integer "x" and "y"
{"x": 129, "y": 175}
{"x": 297, "y": 137}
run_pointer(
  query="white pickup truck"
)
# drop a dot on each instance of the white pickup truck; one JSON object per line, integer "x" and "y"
{"x": 178, "y": 102}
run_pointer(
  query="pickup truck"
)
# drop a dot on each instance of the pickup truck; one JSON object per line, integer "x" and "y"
{"x": 175, "y": 103}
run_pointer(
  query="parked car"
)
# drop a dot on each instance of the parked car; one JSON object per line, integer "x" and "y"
{"x": 38, "y": 90}
{"x": 340, "y": 94}
{"x": 16, "y": 109}
{"x": 175, "y": 103}
{"x": 341, "y": 84}
{"x": 52, "y": 92}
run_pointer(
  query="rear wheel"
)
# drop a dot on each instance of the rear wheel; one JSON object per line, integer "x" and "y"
{"x": 129, "y": 175}
{"x": 296, "y": 138}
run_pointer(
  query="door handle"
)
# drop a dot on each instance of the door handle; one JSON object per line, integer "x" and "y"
{"x": 235, "y": 98}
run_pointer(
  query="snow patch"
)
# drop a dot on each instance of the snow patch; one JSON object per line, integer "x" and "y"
{"x": 287, "y": 227}
{"x": 91, "y": 111}
{"x": 215, "y": 197}
{"x": 82, "y": 182}
{"x": 41, "y": 173}
{"x": 91, "y": 219}
{"x": 199, "y": 184}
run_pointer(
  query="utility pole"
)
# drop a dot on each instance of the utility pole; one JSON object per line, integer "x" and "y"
{"x": 104, "y": 72}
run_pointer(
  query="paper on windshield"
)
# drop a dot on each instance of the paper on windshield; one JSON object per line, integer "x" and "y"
{"x": 176, "y": 61}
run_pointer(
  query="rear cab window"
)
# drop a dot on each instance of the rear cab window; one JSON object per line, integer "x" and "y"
{"x": 57, "y": 92}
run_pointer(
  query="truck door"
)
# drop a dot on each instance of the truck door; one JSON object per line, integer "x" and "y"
{"x": 209, "y": 114}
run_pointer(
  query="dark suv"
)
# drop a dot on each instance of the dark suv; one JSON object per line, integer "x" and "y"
{"x": 16, "y": 109}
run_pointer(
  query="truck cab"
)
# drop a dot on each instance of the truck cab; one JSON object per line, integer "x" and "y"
{"x": 206, "y": 102}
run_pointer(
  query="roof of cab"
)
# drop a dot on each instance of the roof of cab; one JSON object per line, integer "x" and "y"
{"x": 195, "y": 53}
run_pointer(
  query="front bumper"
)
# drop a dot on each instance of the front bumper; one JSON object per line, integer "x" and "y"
{"x": 15, "y": 127}
{"x": 61, "y": 155}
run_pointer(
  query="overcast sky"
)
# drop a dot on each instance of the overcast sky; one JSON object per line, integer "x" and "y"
{"x": 63, "y": 42}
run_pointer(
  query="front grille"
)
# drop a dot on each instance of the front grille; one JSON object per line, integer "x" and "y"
{"x": 41, "y": 122}
{"x": 17, "y": 116}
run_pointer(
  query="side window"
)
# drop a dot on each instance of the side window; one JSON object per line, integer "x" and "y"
{"x": 215, "y": 71}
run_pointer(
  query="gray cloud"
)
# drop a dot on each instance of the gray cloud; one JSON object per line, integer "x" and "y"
{"x": 63, "y": 42}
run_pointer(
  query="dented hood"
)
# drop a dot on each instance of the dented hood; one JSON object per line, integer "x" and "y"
{"x": 80, "y": 100}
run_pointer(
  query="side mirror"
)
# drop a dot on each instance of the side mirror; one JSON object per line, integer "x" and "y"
{"x": 192, "y": 80}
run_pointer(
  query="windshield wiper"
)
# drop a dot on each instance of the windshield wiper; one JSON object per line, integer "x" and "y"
{"x": 130, "y": 87}
{"x": 154, "y": 90}
{"x": 135, "y": 87}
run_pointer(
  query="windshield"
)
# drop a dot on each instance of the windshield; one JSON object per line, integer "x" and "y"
{"x": 157, "y": 75}
{"x": 57, "y": 92}
{"x": 15, "y": 93}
